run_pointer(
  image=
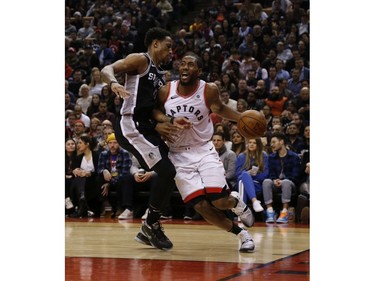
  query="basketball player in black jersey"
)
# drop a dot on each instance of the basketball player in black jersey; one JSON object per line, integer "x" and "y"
{"x": 138, "y": 133}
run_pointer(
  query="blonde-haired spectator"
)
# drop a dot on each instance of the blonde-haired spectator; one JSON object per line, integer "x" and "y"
{"x": 241, "y": 105}
{"x": 84, "y": 99}
{"x": 97, "y": 82}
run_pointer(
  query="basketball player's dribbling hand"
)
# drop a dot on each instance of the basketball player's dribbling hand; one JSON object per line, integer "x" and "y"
{"x": 120, "y": 91}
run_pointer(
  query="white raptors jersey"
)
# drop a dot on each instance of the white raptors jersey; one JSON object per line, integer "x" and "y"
{"x": 195, "y": 109}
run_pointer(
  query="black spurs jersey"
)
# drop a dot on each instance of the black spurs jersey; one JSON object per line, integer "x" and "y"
{"x": 143, "y": 88}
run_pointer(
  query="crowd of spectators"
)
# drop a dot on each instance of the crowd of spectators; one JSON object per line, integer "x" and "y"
{"x": 257, "y": 52}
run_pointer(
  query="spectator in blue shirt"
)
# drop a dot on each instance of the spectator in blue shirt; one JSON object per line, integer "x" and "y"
{"x": 252, "y": 169}
{"x": 114, "y": 175}
{"x": 284, "y": 171}
{"x": 294, "y": 84}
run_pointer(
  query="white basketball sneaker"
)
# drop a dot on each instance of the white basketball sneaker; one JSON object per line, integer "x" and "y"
{"x": 242, "y": 210}
{"x": 246, "y": 242}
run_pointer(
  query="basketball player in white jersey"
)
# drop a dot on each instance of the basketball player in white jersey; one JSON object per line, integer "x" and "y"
{"x": 200, "y": 175}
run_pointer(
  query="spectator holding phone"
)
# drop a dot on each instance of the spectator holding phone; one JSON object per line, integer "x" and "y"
{"x": 252, "y": 169}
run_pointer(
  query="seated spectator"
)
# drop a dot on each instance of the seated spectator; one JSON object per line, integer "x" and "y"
{"x": 284, "y": 171}
{"x": 96, "y": 82}
{"x": 270, "y": 59}
{"x": 84, "y": 99}
{"x": 303, "y": 103}
{"x": 166, "y": 13}
{"x": 294, "y": 83}
{"x": 250, "y": 80}
{"x": 304, "y": 71}
{"x": 71, "y": 95}
{"x": 104, "y": 114}
{"x": 241, "y": 105}
{"x": 76, "y": 82}
{"x": 84, "y": 186}
{"x": 245, "y": 63}
{"x": 283, "y": 89}
{"x": 261, "y": 90}
{"x": 272, "y": 80}
{"x": 81, "y": 116}
{"x": 108, "y": 96}
{"x": 106, "y": 131}
{"x": 267, "y": 114}
{"x": 241, "y": 92}
{"x": 78, "y": 130}
{"x": 227, "y": 156}
{"x": 303, "y": 201}
{"x": 298, "y": 119}
{"x": 291, "y": 63}
{"x": 234, "y": 72}
{"x": 294, "y": 141}
{"x": 117, "y": 104}
{"x": 94, "y": 132}
{"x": 69, "y": 125}
{"x": 276, "y": 102}
{"x": 86, "y": 30}
{"x": 260, "y": 72}
{"x": 105, "y": 53}
{"x": 246, "y": 44}
{"x": 238, "y": 143}
{"x": 224, "y": 96}
{"x": 306, "y": 140}
{"x": 114, "y": 175}
{"x": 287, "y": 114}
{"x": 277, "y": 126}
{"x": 224, "y": 129}
{"x": 281, "y": 72}
{"x": 283, "y": 53}
{"x": 69, "y": 27}
{"x": 253, "y": 102}
{"x": 252, "y": 169}
{"x": 94, "y": 105}
{"x": 226, "y": 84}
{"x": 70, "y": 155}
{"x": 69, "y": 105}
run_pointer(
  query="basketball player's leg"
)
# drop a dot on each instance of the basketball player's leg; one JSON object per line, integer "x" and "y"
{"x": 213, "y": 215}
{"x": 159, "y": 199}
{"x": 218, "y": 218}
{"x": 212, "y": 173}
{"x": 151, "y": 157}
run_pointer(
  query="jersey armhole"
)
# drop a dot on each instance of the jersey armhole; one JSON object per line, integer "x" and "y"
{"x": 168, "y": 92}
{"x": 148, "y": 66}
{"x": 205, "y": 96}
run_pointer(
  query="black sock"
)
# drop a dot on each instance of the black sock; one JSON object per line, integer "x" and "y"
{"x": 153, "y": 215}
{"x": 235, "y": 229}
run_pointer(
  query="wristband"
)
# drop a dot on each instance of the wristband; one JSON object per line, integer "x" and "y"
{"x": 172, "y": 119}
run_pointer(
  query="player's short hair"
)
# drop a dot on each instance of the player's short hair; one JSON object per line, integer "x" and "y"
{"x": 198, "y": 59}
{"x": 156, "y": 33}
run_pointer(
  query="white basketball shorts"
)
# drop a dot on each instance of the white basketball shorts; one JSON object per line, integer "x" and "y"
{"x": 199, "y": 170}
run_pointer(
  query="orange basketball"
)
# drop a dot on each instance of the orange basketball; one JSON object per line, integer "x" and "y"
{"x": 252, "y": 124}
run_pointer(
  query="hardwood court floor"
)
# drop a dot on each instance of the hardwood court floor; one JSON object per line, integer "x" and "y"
{"x": 104, "y": 249}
